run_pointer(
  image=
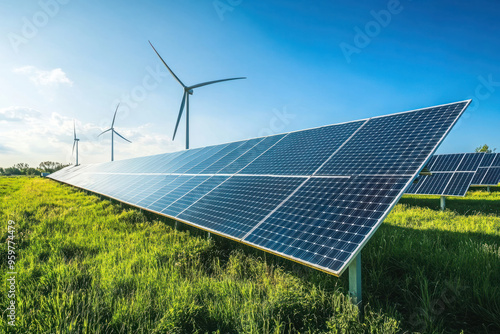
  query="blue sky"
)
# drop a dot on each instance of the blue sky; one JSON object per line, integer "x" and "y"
{"x": 308, "y": 64}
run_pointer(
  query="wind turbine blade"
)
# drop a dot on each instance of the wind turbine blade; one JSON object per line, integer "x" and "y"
{"x": 121, "y": 136}
{"x": 172, "y": 72}
{"x": 73, "y": 151}
{"x": 115, "y": 115}
{"x": 104, "y": 132}
{"x": 212, "y": 82}
{"x": 180, "y": 113}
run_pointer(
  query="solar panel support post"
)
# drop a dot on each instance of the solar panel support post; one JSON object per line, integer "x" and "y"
{"x": 487, "y": 188}
{"x": 443, "y": 203}
{"x": 355, "y": 281}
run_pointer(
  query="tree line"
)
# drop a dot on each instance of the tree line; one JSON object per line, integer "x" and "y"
{"x": 24, "y": 169}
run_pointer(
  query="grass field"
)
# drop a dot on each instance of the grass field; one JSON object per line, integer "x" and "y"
{"x": 87, "y": 265}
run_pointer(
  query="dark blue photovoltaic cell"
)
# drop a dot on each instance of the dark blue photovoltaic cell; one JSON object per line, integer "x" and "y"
{"x": 163, "y": 163}
{"x": 412, "y": 189}
{"x": 183, "y": 202}
{"x": 154, "y": 192}
{"x": 434, "y": 184}
{"x": 327, "y": 218}
{"x": 496, "y": 161}
{"x": 320, "y": 219}
{"x": 186, "y": 158}
{"x": 459, "y": 184}
{"x": 202, "y": 156}
{"x": 240, "y": 203}
{"x": 487, "y": 160}
{"x": 492, "y": 177}
{"x": 231, "y": 157}
{"x": 394, "y": 145}
{"x": 213, "y": 158}
{"x": 445, "y": 162}
{"x": 479, "y": 176}
{"x": 471, "y": 162}
{"x": 140, "y": 185}
{"x": 251, "y": 154}
{"x": 176, "y": 189}
{"x": 302, "y": 152}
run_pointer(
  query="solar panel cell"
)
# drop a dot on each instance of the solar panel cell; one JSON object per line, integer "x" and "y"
{"x": 479, "y": 176}
{"x": 302, "y": 152}
{"x": 393, "y": 145}
{"x": 492, "y": 177}
{"x": 471, "y": 162}
{"x": 351, "y": 207}
{"x": 459, "y": 184}
{"x": 238, "y": 204}
{"x": 252, "y": 154}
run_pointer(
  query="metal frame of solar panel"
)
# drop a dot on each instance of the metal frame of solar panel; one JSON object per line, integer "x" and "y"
{"x": 313, "y": 196}
{"x": 453, "y": 174}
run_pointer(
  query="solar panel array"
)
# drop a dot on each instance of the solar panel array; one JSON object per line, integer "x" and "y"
{"x": 453, "y": 174}
{"x": 314, "y": 196}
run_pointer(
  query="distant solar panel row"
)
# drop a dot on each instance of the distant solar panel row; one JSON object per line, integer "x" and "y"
{"x": 453, "y": 174}
{"x": 313, "y": 196}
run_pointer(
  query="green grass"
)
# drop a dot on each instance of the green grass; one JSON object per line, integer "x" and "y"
{"x": 88, "y": 265}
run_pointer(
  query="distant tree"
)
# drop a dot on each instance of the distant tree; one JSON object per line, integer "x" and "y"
{"x": 22, "y": 167}
{"x": 50, "y": 166}
{"x": 31, "y": 171}
{"x": 12, "y": 171}
{"x": 485, "y": 148}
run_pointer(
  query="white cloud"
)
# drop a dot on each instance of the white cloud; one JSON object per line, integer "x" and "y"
{"x": 53, "y": 77}
{"x": 31, "y": 136}
{"x": 18, "y": 114}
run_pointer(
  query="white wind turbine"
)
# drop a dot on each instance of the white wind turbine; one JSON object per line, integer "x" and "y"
{"x": 113, "y": 131}
{"x": 75, "y": 142}
{"x": 188, "y": 90}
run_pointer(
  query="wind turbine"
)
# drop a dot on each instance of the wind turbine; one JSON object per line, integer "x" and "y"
{"x": 75, "y": 142}
{"x": 113, "y": 131}
{"x": 188, "y": 90}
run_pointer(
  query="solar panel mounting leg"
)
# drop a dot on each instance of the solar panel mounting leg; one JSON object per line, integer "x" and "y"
{"x": 355, "y": 281}
{"x": 443, "y": 203}
{"x": 487, "y": 188}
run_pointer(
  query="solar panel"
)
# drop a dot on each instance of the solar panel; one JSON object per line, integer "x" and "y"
{"x": 487, "y": 173}
{"x": 313, "y": 196}
{"x": 453, "y": 174}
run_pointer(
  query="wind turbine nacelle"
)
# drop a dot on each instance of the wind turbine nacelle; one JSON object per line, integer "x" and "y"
{"x": 190, "y": 92}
